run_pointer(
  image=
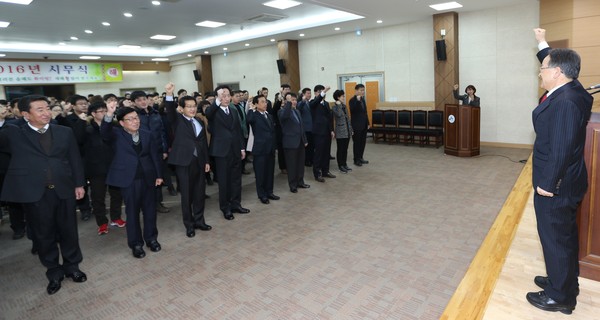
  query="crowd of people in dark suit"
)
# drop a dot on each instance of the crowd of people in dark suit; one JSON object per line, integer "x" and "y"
{"x": 56, "y": 158}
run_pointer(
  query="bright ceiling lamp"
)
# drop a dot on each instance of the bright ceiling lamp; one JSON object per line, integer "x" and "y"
{"x": 25, "y": 2}
{"x": 282, "y": 4}
{"x": 446, "y": 6}
{"x": 210, "y": 24}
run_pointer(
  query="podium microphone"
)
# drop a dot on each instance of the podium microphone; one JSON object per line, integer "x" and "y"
{"x": 593, "y": 87}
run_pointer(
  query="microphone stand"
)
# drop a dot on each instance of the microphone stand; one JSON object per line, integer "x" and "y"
{"x": 595, "y": 92}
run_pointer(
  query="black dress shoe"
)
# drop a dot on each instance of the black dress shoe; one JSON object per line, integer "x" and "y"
{"x": 228, "y": 216}
{"x": 77, "y": 276}
{"x": 18, "y": 234}
{"x": 202, "y": 226}
{"x": 273, "y": 197}
{"x": 343, "y": 170}
{"x": 331, "y": 157}
{"x": 138, "y": 252}
{"x": 320, "y": 179}
{"x": 85, "y": 215}
{"x": 304, "y": 186}
{"x": 363, "y": 161}
{"x": 154, "y": 246}
{"x": 542, "y": 282}
{"x": 542, "y": 301}
{"x": 347, "y": 169}
{"x": 329, "y": 175}
{"x": 53, "y": 286}
{"x": 240, "y": 210}
{"x": 358, "y": 163}
{"x": 172, "y": 191}
{"x": 293, "y": 190}
{"x": 264, "y": 200}
{"x": 190, "y": 232}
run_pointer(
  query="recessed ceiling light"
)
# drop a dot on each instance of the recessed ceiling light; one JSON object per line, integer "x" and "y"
{"x": 446, "y": 6}
{"x": 89, "y": 31}
{"x": 224, "y": 49}
{"x": 205, "y": 52}
{"x": 337, "y": 28}
{"x": 106, "y": 24}
{"x": 2, "y": 55}
{"x": 128, "y": 15}
{"x": 210, "y": 24}
{"x": 25, "y": 2}
{"x": 282, "y": 4}
{"x": 162, "y": 37}
{"x": 379, "y": 21}
{"x": 129, "y": 46}
{"x": 189, "y": 55}
{"x": 247, "y": 44}
{"x": 62, "y": 44}
{"x": 156, "y": 3}
{"x": 272, "y": 40}
{"x": 302, "y": 34}
{"x": 89, "y": 57}
{"x": 160, "y": 59}
{"x": 74, "y": 38}
{"x": 4, "y": 24}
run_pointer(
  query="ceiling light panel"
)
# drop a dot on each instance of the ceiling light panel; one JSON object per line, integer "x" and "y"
{"x": 89, "y": 57}
{"x": 282, "y": 4}
{"x": 162, "y": 37}
{"x": 24, "y": 2}
{"x": 210, "y": 24}
{"x": 446, "y": 6}
{"x": 4, "y": 24}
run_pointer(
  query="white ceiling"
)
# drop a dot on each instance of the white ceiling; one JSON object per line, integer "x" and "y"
{"x": 36, "y": 29}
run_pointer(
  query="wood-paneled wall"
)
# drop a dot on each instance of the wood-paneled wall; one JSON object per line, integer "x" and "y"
{"x": 577, "y": 22}
{"x": 446, "y": 72}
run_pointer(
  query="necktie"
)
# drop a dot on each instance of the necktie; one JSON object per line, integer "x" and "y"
{"x": 543, "y": 98}
{"x": 226, "y": 111}
{"x": 194, "y": 127}
{"x": 295, "y": 116}
{"x": 195, "y": 135}
{"x": 42, "y": 130}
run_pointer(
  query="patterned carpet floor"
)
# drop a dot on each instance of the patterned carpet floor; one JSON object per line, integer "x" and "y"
{"x": 390, "y": 240}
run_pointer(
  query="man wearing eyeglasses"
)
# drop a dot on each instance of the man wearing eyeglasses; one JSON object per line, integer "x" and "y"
{"x": 136, "y": 169}
{"x": 559, "y": 174}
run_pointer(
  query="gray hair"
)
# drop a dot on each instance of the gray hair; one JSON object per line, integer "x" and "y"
{"x": 567, "y": 60}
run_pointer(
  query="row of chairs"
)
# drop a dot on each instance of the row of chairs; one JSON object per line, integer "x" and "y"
{"x": 419, "y": 126}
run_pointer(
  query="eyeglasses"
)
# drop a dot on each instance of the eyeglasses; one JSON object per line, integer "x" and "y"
{"x": 546, "y": 67}
{"x": 133, "y": 119}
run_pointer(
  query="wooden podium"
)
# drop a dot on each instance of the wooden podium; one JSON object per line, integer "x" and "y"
{"x": 588, "y": 217}
{"x": 461, "y": 130}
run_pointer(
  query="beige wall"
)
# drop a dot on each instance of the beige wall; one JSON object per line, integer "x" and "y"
{"x": 497, "y": 55}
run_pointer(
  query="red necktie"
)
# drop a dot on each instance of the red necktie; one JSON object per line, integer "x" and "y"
{"x": 543, "y": 98}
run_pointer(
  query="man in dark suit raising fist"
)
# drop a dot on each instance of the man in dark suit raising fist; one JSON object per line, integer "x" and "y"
{"x": 228, "y": 149}
{"x": 189, "y": 155}
{"x": 45, "y": 174}
{"x": 559, "y": 174}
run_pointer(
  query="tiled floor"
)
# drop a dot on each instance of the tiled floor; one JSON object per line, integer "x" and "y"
{"x": 390, "y": 240}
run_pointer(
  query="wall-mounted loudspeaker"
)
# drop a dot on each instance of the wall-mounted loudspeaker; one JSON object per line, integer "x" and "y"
{"x": 197, "y": 75}
{"x": 440, "y": 50}
{"x": 281, "y": 66}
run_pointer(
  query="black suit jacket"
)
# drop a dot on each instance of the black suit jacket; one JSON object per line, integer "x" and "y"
{"x": 358, "y": 114}
{"x": 322, "y": 117}
{"x": 264, "y": 132}
{"x": 292, "y": 131}
{"x": 25, "y": 180}
{"x": 185, "y": 140}
{"x": 226, "y": 134}
{"x": 560, "y": 122}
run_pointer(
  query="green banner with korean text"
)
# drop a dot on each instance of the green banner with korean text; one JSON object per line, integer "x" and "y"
{"x": 25, "y": 72}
